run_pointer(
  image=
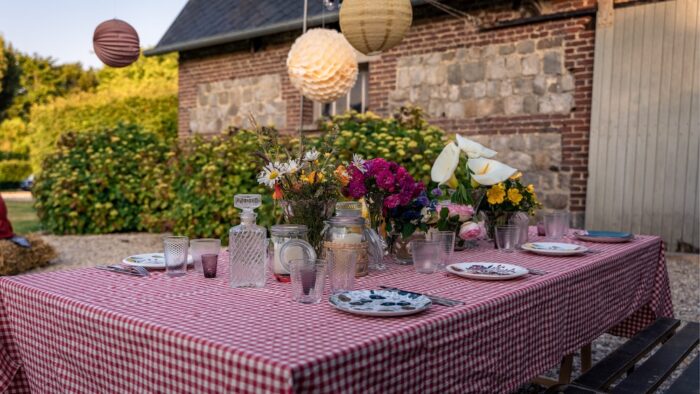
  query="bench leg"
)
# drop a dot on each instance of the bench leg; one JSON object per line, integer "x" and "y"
{"x": 586, "y": 358}
{"x": 567, "y": 364}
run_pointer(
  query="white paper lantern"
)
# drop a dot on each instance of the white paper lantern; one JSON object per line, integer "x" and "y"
{"x": 322, "y": 65}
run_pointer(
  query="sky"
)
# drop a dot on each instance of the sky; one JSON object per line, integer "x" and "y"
{"x": 63, "y": 29}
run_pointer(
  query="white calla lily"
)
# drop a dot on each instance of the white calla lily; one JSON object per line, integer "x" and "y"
{"x": 445, "y": 165}
{"x": 489, "y": 172}
{"x": 473, "y": 149}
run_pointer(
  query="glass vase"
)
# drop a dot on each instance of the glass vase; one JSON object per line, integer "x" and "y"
{"x": 401, "y": 247}
{"x": 494, "y": 219}
{"x": 311, "y": 213}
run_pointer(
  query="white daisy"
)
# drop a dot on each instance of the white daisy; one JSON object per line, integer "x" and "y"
{"x": 270, "y": 174}
{"x": 291, "y": 167}
{"x": 312, "y": 155}
{"x": 358, "y": 162}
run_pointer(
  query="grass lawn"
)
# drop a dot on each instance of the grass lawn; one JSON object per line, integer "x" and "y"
{"x": 22, "y": 216}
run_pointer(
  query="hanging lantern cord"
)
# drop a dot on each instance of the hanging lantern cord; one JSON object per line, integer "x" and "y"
{"x": 301, "y": 100}
{"x": 453, "y": 11}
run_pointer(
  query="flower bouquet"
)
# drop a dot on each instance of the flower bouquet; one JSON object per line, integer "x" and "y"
{"x": 306, "y": 184}
{"x": 389, "y": 192}
{"x": 444, "y": 215}
{"x": 492, "y": 187}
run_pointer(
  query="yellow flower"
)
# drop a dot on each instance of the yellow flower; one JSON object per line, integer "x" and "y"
{"x": 413, "y": 144}
{"x": 341, "y": 173}
{"x": 313, "y": 177}
{"x": 531, "y": 188}
{"x": 514, "y": 195}
{"x": 496, "y": 194}
{"x": 516, "y": 176}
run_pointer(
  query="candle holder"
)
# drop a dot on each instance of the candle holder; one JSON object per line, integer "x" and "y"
{"x": 209, "y": 263}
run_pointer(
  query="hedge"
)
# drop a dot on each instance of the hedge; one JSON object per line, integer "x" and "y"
{"x": 14, "y": 171}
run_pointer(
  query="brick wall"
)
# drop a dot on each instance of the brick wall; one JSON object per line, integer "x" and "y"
{"x": 433, "y": 32}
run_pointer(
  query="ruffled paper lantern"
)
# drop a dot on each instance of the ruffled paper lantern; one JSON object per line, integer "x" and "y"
{"x": 373, "y": 26}
{"x": 116, "y": 43}
{"x": 322, "y": 65}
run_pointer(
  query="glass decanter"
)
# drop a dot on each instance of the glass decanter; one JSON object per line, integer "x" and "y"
{"x": 247, "y": 245}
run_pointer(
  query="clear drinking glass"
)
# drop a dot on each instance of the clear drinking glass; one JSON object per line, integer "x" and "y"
{"x": 426, "y": 255}
{"x": 201, "y": 247}
{"x": 507, "y": 238}
{"x": 308, "y": 278}
{"x": 342, "y": 268}
{"x": 175, "y": 250}
{"x": 556, "y": 225}
{"x": 447, "y": 246}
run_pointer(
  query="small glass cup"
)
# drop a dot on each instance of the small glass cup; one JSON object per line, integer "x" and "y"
{"x": 426, "y": 255}
{"x": 447, "y": 246}
{"x": 556, "y": 225}
{"x": 200, "y": 247}
{"x": 342, "y": 268}
{"x": 308, "y": 278}
{"x": 175, "y": 250}
{"x": 209, "y": 263}
{"x": 507, "y": 238}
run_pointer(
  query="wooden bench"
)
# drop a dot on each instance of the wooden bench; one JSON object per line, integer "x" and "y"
{"x": 650, "y": 374}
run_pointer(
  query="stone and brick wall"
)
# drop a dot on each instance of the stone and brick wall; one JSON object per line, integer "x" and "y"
{"x": 524, "y": 91}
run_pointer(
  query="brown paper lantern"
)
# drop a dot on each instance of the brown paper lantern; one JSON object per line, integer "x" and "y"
{"x": 322, "y": 65}
{"x": 373, "y": 26}
{"x": 116, "y": 43}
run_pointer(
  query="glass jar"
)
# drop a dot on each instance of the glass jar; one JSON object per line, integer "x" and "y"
{"x": 348, "y": 208}
{"x": 347, "y": 233}
{"x": 279, "y": 234}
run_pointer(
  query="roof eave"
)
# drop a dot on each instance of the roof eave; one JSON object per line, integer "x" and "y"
{"x": 226, "y": 38}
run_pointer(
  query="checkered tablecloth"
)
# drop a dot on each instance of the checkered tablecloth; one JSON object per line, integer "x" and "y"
{"x": 87, "y": 331}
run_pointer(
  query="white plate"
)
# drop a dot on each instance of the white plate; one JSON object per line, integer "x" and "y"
{"x": 554, "y": 248}
{"x": 381, "y": 303}
{"x": 487, "y": 271}
{"x": 150, "y": 260}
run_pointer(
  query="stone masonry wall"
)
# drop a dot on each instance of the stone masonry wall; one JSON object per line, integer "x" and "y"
{"x": 524, "y": 77}
{"x": 221, "y": 104}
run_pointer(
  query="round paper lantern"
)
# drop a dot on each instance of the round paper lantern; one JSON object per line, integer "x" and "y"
{"x": 322, "y": 65}
{"x": 116, "y": 43}
{"x": 373, "y": 26}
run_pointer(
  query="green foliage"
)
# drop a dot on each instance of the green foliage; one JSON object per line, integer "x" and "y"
{"x": 42, "y": 79}
{"x": 13, "y": 135}
{"x": 87, "y": 112}
{"x": 406, "y": 138}
{"x": 99, "y": 182}
{"x": 201, "y": 183}
{"x": 10, "y": 72}
{"x": 5, "y": 155}
{"x": 14, "y": 171}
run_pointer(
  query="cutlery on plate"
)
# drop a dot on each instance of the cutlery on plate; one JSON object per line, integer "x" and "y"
{"x": 121, "y": 270}
{"x": 436, "y": 299}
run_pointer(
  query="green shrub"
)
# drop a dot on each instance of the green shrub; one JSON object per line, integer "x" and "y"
{"x": 405, "y": 138}
{"x": 86, "y": 112}
{"x": 14, "y": 171}
{"x": 99, "y": 182}
{"x": 13, "y": 156}
{"x": 204, "y": 178}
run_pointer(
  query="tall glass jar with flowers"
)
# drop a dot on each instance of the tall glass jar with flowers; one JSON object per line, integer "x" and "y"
{"x": 306, "y": 184}
{"x": 385, "y": 186}
{"x": 492, "y": 187}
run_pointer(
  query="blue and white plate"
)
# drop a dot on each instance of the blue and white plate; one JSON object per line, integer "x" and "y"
{"x": 487, "y": 271}
{"x": 383, "y": 303}
{"x": 603, "y": 236}
{"x": 150, "y": 260}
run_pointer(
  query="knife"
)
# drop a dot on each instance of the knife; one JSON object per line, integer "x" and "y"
{"x": 438, "y": 300}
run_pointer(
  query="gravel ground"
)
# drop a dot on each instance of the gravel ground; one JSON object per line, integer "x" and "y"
{"x": 91, "y": 250}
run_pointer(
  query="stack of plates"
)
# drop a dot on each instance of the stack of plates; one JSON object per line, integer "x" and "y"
{"x": 603, "y": 236}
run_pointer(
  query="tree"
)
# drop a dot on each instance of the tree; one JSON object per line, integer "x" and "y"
{"x": 9, "y": 77}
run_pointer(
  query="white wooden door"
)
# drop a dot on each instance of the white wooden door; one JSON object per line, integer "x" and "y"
{"x": 645, "y": 126}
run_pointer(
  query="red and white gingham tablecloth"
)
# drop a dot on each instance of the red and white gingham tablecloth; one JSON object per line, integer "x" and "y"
{"x": 88, "y": 331}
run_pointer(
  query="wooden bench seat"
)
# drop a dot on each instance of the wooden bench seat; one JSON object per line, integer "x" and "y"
{"x": 650, "y": 374}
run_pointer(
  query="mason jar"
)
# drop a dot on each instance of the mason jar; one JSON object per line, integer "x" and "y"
{"x": 347, "y": 234}
{"x": 279, "y": 234}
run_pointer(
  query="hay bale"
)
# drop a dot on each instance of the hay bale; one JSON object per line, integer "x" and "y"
{"x": 15, "y": 260}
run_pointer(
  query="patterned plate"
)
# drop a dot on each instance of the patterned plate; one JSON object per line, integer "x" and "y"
{"x": 603, "y": 236}
{"x": 383, "y": 303}
{"x": 487, "y": 271}
{"x": 150, "y": 260}
{"x": 554, "y": 248}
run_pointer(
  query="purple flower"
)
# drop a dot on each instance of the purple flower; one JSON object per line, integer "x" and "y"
{"x": 391, "y": 201}
{"x": 385, "y": 181}
{"x": 436, "y": 192}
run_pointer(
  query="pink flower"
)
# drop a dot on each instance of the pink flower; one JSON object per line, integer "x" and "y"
{"x": 465, "y": 212}
{"x": 385, "y": 181}
{"x": 469, "y": 231}
{"x": 392, "y": 201}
